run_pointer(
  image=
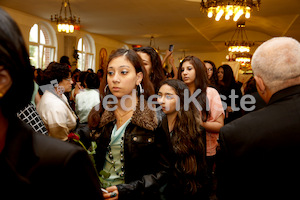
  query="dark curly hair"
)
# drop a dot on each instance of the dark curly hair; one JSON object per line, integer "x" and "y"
{"x": 56, "y": 71}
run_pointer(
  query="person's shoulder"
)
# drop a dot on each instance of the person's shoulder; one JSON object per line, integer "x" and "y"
{"x": 49, "y": 99}
{"x": 212, "y": 90}
{"x": 42, "y": 145}
{"x": 241, "y": 129}
{"x": 81, "y": 93}
{"x": 246, "y": 121}
{"x": 86, "y": 93}
{"x": 47, "y": 148}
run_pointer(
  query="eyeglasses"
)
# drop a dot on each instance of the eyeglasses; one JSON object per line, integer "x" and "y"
{"x": 68, "y": 79}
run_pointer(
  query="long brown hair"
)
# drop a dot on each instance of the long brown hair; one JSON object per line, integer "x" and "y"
{"x": 228, "y": 77}
{"x": 158, "y": 74}
{"x": 135, "y": 60}
{"x": 214, "y": 78}
{"x": 201, "y": 82}
{"x": 187, "y": 142}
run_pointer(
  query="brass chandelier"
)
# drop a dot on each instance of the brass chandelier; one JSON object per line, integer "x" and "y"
{"x": 239, "y": 42}
{"x": 66, "y": 22}
{"x": 228, "y": 8}
{"x": 243, "y": 58}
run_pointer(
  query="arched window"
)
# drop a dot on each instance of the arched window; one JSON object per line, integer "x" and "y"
{"x": 42, "y": 45}
{"x": 86, "y": 52}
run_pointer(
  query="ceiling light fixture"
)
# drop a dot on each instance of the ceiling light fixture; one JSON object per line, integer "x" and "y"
{"x": 239, "y": 42}
{"x": 235, "y": 8}
{"x": 64, "y": 22}
{"x": 243, "y": 58}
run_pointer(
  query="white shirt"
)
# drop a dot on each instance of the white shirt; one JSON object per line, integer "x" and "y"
{"x": 84, "y": 102}
{"x": 57, "y": 115}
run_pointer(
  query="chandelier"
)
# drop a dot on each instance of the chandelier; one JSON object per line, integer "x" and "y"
{"x": 243, "y": 58}
{"x": 239, "y": 41}
{"x": 66, "y": 22}
{"x": 228, "y": 8}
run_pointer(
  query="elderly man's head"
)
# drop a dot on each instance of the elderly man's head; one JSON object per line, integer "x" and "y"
{"x": 277, "y": 63}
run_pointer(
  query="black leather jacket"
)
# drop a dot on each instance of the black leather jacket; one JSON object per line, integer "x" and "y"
{"x": 146, "y": 152}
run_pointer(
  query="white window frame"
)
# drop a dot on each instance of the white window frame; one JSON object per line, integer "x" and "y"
{"x": 53, "y": 46}
{"x": 88, "y": 41}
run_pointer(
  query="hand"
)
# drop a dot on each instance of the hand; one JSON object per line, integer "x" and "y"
{"x": 229, "y": 109}
{"x": 77, "y": 89}
{"x": 113, "y": 193}
{"x": 78, "y": 86}
{"x": 168, "y": 53}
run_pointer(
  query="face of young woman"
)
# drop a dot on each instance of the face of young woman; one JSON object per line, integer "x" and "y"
{"x": 220, "y": 74}
{"x": 188, "y": 73}
{"x": 167, "y": 99}
{"x": 66, "y": 84}
{"x": 210, "y": 70}
{"x": 146, "y": 61}
{"x": 122, "y": 77}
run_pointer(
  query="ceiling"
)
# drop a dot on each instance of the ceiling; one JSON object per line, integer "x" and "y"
{"x": 178, "y": 22}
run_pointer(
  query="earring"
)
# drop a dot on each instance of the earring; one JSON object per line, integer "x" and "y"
{"x": 105, "y": 89}
{"x": 141, "y": 89}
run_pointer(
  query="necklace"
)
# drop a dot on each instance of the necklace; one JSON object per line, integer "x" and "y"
{"x": 120, "y": 118}
{"x": 111, "y": 157}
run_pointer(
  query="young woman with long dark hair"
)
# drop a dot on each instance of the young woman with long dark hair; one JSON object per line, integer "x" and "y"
{"x": 132, "y": 138}
{"x": 193, "y": 72}
{"x": 188, "y": 178}
{"x": 227, "y": 85}
{"x": 212, "y": 74}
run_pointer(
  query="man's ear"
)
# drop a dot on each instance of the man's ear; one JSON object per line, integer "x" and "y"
{"x": 139, "y": 78}
{"x": 260, "y": 85}
{"x": 262, "y": 90}
{"x": 5, "y": 81}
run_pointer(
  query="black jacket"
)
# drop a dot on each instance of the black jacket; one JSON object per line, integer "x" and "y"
{"x": 35, "y": 166}
{"x": 259, "y": 152}
{"x": 225, "y": 92}
{"x": 146, "y": 150}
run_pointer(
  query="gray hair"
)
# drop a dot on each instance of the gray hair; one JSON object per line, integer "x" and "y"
{"x": 277, "y": 61}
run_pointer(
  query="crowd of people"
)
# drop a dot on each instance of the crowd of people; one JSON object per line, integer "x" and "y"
{"x": 156, "y": 136}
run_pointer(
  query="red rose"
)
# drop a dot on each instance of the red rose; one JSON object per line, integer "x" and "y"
{"x": 73, "y": 136}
